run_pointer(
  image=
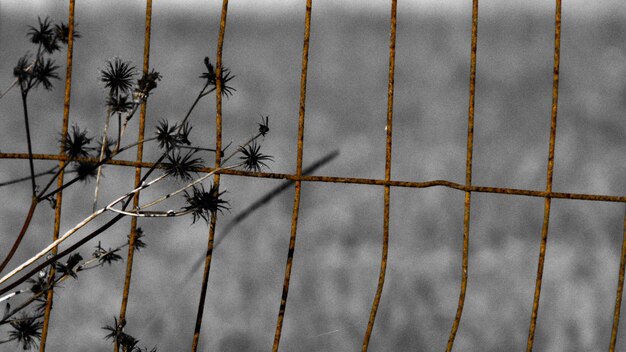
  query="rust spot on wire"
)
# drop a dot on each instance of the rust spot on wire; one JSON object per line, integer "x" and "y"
{"x": 468, "y": 178}
{"x": 216, "y": 179}
{"x": 546, "y": 211}
{"x": 296, "y": 201}
{"x": 59, "y": 196}
{"x": 385, "y": 249}
{"x": 140, "y": 137}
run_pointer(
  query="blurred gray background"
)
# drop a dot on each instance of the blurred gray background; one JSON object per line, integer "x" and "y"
{"x": 340, "y": 228}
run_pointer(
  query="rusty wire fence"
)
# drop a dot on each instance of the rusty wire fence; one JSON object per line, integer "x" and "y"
{"x": 299, "y": 178}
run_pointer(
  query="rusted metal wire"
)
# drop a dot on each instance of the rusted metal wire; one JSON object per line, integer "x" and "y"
{"x": 546, "y": 211}
{"x": 388, "y": 129}
{"x": 296, "y": 199}
{"x": 468, "y": 178}
{"x": 59, "y": 196}
{"x": 298, "y": 177}
{"x": 216, "y": 177}
{"x": 620, "y": 290}
{"x": 352, "y": 180}
{"x": 140, "y": 137}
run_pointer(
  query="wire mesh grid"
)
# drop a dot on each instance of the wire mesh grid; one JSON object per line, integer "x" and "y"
{"x": 299, "y": 177}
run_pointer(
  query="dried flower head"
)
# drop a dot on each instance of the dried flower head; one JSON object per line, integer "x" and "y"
{"x": 139, "y": 243}
{"x": 264, "y": 126}
{"x": 85, "y": 171}
{"x": 43, "y": 72}
{"x": 38, "y": 284}
{"x": 26, "y": 330}
{"x": 118, "y": 76}
{"x": 23, "y": 69}
{"x": 69, "y": 267}
{"x": 120, "y": 104}
{"x": 183, "y": 133}
{"x": 166, "y": 135}
{"x": 98, "y": 251}
{"x": 62, "y": 32}
{"x": 44, "y": 36}
{"x": 211, "y": 77}
{"x": 116, "y": 333}
{"x": 252, "y": 158}
{"x": 76, "y": 143}
{"x": 203, "y": 203}
{"x": 107, "y": 148}
{"x": 181, "y": 166}
{"x": 109, "y": 256}
{"x": 148, "y": 82}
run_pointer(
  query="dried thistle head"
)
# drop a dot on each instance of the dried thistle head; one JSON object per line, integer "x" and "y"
{"x": 44, "y": 36}
{"x": 76, "y": 143}
{"x": 118, "y": 76}
{"x": 68, "y": 269}
{"x": 139, "y": 243}
{"x": 23, "y": 69}
{"x": 182, "y": 166}
{"x": 26, "y": 331}
{"x": 211, "y": 77}
{"x": 107, "y": 147}
{"x": 264, "y": 126}
{"x": 148, "y": 82}
{"x": 62, "y": 32}
{"x": 252, "y": 157}
{"x": 85, "y": 171}
{"x": 109, "y": 256}
{"x": 43, "y": 72}
{"x": 203, "y": 204}
{"x": 120, "y": 103}
{"x": 166, "y": 135}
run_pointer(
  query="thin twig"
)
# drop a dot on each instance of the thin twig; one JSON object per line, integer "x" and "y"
{"x": 101, "y": 157}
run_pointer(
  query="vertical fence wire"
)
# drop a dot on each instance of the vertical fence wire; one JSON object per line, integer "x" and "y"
{"x": 546, "y": 211}
{"x": 216, "y": 177}
{"x": 620, "y": 290}
{"x": 59, "y": 196}
{"x": 296, "y": 199}
{"x": 468, "y": 178}
{"x": 140, "y": 137}
{"x": 298, "y": 178}
{"x": 388, "y": 142}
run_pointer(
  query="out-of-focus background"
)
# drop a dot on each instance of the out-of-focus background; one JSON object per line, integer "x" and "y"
{"x": 340, "y": 226}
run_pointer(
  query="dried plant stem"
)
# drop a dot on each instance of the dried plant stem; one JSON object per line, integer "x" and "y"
{"x": 80, "y": 242}
{"x": 22, "y": 179}
{"x": 2, "y": 94}
{"x": 101, "y": 162}
{"x": 78, "y": 226}
{"x": 101, "y": 157}
{"x": 28, "y": 140}
{"x": 20, "y": 236}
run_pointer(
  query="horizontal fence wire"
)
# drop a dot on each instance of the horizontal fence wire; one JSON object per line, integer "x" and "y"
{"x": 351, "y": 180}
{"x": 299, "y": 177}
